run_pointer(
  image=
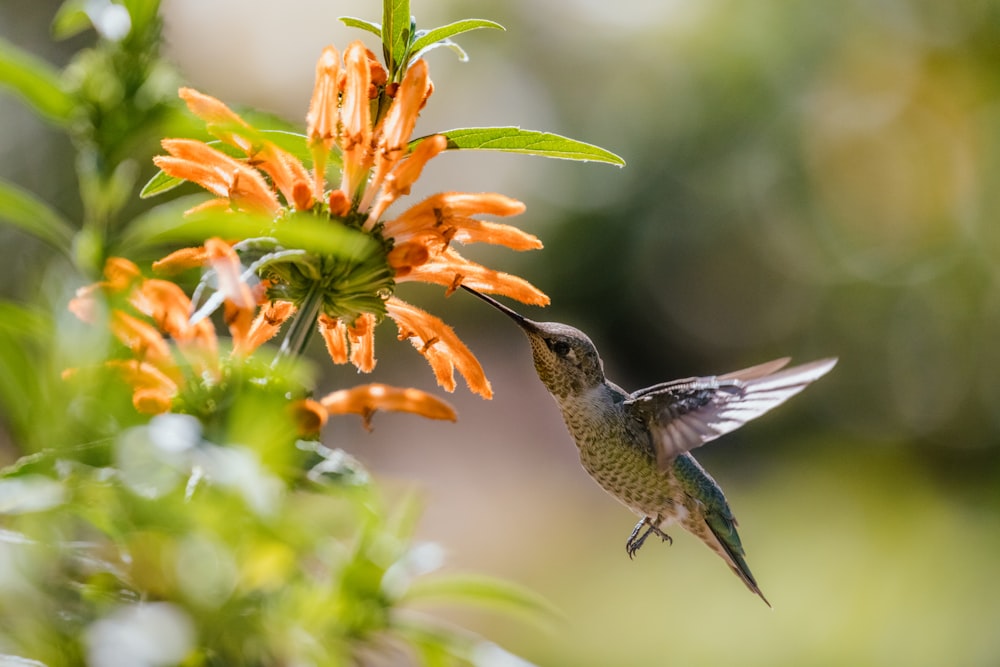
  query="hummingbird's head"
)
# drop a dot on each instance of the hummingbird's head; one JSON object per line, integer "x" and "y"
{"x": 565, "y": 358}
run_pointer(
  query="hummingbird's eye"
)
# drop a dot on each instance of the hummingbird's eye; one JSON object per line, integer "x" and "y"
{"x": 561, "y": 348}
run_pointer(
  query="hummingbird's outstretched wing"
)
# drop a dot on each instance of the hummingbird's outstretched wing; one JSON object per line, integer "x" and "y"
{"x": 685, "y": 414}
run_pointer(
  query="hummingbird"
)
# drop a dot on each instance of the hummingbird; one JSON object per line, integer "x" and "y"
{"x": 637, "y": 445}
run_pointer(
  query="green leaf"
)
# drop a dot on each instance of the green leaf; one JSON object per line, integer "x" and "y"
{"x": 479, "y": 590}
{"x": 396, "y": 35}
{"x": 323, "y": 236}
{"x": 24, "y": 210}
{"x": 161, "y": 182}
{"x": 35, "y": 81}
{"x": 370, "y": 26}
{"x": 25, "y": 331}
{"x": 167, "y": 225}
{"x": 441, "y": 36}
{"x": 71, "y": 19}
{"x": 458, "y": 50}
{"x": 31, "y": 323}
{"x": 153, "y": 227}
{"x": 516, "y": 140}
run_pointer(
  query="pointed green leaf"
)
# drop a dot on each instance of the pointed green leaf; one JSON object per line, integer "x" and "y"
{"x": 71, "y": 19}
{"x": 27, "y": 212}
{"x": 459, "y": 51}
{"x": 470, "y": 589}
{"x": 168, "y": 225}
{"x": 35, "y": 81}
{"x": 323, "y": 237}
{"x": 149, "y": 229}
{"x": 442, "y": 34}
{"x": 516, "y": 140}
{"x": 28, "y": 322}
{"x": 396, "y": 36}
{"x": 161, "y": 182}
{"x": 370, "y": 26}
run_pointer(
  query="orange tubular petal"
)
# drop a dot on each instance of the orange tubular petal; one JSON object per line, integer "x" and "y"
{"x": 470, "y": 230}
{"x": 324, "y": 113}
{"x": 144, "y": 340}
{"x": 365, "y": 400}
{"x": 398, "y": 126}
{"x": 141, "y": 375}
{"x": 120, "y": 274}
{"x": 228, "y": 270}
{"x": 405, "y": 256}
{"x": 182, "y": 260}
{"x": 323, "y": 118}
{"x": 362, "y": 338}
{"x": 153, "y": 391}
{"x": 444, "y": 351}
{"x": 402, "y": 178}
{"x": 151, "y": 401}
{"x": 340, "y": 204}
{"x": 206, "y": 177}
{"x": 218, "y": 173}
{"x": 167, "y": 305}
{"x": 266, "y": 325}
{"x": 310, "y": 416}
{"x": 84, "y": 303}
{"x": 219, "y": 118}
{"x": 402, "y": 116}
{"x": 238, "y": 321}
{"x": 449, "y": 269}
{"x": 356, "y": 140}
{"x": 334, "y": 334}
{"x": 440, "y": 209}
{"x": 288, "y": 174}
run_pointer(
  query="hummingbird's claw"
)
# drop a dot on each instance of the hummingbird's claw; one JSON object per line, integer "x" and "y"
{"x": 635, "y": 541}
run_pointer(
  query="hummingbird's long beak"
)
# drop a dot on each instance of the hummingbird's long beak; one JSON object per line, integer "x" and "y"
{"x": 521, "y": 320}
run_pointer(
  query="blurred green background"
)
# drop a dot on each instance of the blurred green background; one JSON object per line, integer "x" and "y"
{"x": 804, "y": 179}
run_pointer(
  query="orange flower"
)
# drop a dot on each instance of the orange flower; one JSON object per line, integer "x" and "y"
{"x": 162, "y": 366}
{"x": 365, "y": 400}
{"x": 369, "y": 125}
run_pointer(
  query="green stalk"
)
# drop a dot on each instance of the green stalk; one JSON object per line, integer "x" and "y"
{"x": 303, "y": 325}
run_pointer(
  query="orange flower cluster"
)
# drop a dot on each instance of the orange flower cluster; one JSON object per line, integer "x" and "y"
{"x": 378, "y": 165}
{"x": 161, "y": 309}
{"x": 159, "y": 371}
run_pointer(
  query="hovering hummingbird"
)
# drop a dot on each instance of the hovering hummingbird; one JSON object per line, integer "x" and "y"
{"x": 635, "y": 445}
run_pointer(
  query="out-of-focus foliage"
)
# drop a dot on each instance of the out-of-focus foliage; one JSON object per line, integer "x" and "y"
{"x": 808, "y": 178}
{"x": 221, "y": 532}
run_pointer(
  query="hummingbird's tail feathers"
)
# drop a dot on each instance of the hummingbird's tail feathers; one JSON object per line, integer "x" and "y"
{"x": 729, "y": 547}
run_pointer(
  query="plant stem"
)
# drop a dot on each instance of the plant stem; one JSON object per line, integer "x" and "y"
{"x": 302, "y": 327}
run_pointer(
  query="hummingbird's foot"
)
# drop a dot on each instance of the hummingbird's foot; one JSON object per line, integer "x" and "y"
{"x": 635, "y": 541}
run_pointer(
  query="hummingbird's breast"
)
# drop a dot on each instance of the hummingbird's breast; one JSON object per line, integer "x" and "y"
{"x": 617, "y": 452}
